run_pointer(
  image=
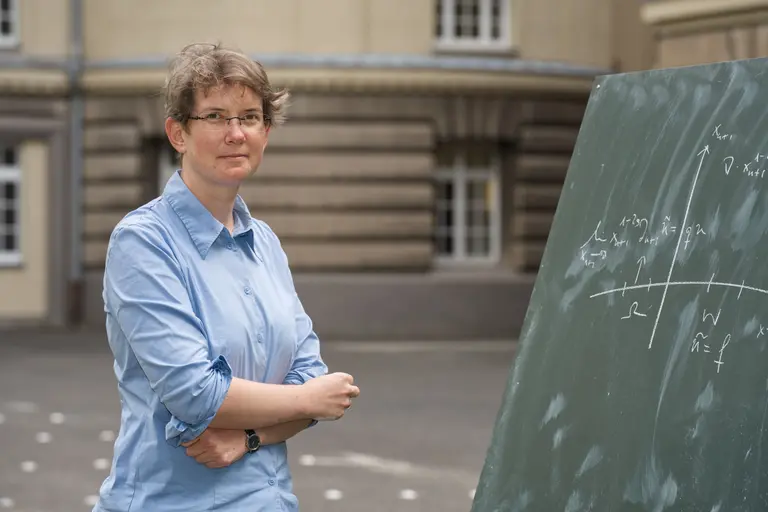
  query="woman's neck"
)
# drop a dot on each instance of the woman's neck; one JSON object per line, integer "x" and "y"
{"x": 218, "y": 199}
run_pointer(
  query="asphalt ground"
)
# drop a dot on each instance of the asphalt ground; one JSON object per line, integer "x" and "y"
{"x": 415, "y": 440}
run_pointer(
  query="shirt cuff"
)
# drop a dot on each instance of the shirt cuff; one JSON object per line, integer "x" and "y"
{"x": 177, "y": 431}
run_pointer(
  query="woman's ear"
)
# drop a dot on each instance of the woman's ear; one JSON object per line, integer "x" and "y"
{"x": 175, "y": 133}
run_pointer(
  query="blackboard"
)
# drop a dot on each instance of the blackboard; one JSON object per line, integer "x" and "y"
{"x": 641, "y": 380}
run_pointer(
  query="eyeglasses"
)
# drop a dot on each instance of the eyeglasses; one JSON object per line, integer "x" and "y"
{"x": 216, "y": 121}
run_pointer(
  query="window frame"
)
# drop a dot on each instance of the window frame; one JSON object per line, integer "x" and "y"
{"x": 12, "y": 40}
{"x": 12, "y": 174}
{"x": 484, "y": 42}
{"x": 459, "y": 176}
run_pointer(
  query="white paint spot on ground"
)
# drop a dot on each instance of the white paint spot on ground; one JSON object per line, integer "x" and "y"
{"x": 333, "y": 494}
{"x": 107, "y": 436}
{"x": 408, "y": 494}
{"x": 43, "y": 437}
{"x": 307, "y": 460}
{"x": 29, "y": 466}
{"x": 2, "y": 418}
{"x": 100, "y": 464}
{"x": 472, "y": 494}
{"x": 56, "y": 418}
{"x": 22, "y": 406}
{"x": 6, "y": 502}
{"x": 91, "y": 500}
{"x": 392, "y": 467}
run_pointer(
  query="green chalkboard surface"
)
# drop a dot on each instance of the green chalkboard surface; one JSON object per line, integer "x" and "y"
{"x": 641, "y": 380}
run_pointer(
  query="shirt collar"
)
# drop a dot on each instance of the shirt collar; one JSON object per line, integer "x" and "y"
{"x": 201, "y": 225}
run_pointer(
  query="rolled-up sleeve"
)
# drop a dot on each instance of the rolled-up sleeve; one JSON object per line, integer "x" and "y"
{"x": 144, "y": 290}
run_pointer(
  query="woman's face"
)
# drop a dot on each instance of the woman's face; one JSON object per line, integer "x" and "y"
{"x": 219, "y": 152}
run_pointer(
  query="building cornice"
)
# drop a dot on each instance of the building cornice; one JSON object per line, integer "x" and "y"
{"x": 678, "y": 17}
{"x": 349, "y": 72}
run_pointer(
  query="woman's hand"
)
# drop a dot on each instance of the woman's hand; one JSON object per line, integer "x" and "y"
{"x": 217, "y": 447}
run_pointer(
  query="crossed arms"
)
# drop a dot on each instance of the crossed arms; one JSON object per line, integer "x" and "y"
{"x": 144, "y": 292}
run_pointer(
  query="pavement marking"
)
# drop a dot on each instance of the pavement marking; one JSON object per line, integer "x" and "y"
{"x": 43, "y": 437}
{"x": 333, "y": 494}
{"x": 472, "y": 494}
{"x": 22, "y": 406}
{"x": 6, "y": 502}
{"x": 91, "y": 500}
{"x": 408, "y": 494}
{"x": 100, "y": 464}
{"x": 406, "y": 347}
{"x": 107, "y": 436}
{"x": 56, "y": 418}
{"x": 307, "y": 460}
{"x": 393, "y": 467}
{"x": 29, "y": 466}
{"x": 2, "y": 418}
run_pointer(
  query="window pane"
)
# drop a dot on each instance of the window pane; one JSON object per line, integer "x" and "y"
{"x": 496, "y": 19}
{"x": 444, "y": 218}
{"x": 475, "y": 20}
{"x": 478, "y": 246}
{"x": 457, "y": 19}
{"x": 444, "y": 245}
{"x": 10, "y": 242}
{"x": 439, "y": 18}
{"x": 5, "y": 6}
{"x": 9, "y": 156}
{"x": 9, "y": 216}
{"x": 477, "y": 219}
{"x": 9, "y": 191}
{"x": 5, "y": 28}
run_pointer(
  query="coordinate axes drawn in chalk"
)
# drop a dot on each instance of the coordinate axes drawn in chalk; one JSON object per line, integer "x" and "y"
{"x": 684, "y": 235}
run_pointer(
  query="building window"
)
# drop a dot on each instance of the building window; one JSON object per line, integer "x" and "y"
{"x": 10, "y": 212}
{"x": 9, "y": 23}
{"x": 467, "y": 214}
{"x": 472, "y": 24}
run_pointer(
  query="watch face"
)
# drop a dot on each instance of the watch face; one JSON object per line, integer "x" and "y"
{"x": 253, "y": 442}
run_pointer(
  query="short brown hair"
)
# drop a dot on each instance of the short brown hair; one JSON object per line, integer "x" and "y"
{"x": 202, "y": 66}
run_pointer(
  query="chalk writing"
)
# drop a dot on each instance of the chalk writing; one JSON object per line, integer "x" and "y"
{"x": 721, "y": 136}
{"x": 682, "y": 232}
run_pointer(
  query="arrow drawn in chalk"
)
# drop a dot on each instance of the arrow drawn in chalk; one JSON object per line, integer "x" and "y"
{"x": 640, "y": 262}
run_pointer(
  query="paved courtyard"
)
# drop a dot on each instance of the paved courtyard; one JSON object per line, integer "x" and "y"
{"x": 414, "y": 441}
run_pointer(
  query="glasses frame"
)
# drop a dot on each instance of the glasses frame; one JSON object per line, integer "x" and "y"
{"x": 264, "y": 121}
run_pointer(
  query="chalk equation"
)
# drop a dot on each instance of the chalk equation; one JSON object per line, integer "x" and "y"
{"x": 635, "y": 230}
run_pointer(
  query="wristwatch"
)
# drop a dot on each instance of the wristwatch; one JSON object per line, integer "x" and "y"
{"x": 252, "y": 441}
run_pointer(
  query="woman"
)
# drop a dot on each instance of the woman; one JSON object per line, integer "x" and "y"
{"x": 216, "y": 361}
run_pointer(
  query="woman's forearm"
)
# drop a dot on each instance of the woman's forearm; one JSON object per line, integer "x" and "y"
{"x": 255, "y": 405}
{"x": 282, "y": 432}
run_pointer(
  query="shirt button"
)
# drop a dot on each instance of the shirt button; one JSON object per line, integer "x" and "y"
{"x": 247, "y": 291}
{"x": 230, "y": 246}
{"x": 260, "y": 338}
{"x": 271, "y": 482}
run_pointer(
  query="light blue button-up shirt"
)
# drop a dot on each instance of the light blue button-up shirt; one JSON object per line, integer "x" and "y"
{"x": 189, "y": 306}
